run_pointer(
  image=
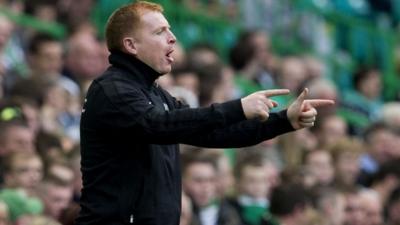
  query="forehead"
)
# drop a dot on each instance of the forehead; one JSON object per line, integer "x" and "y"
{"x": 253, "y": 171}
{"x": 200, "y": 168}
{"x": 153, "y": 20}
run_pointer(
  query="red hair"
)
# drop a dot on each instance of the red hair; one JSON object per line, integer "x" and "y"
{"x": 126, "y": 20}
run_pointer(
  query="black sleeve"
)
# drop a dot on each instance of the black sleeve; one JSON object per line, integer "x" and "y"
{"x": 245, "y": 133}
{"x": 165, "y": 127}
{"x": 132, "y": 112}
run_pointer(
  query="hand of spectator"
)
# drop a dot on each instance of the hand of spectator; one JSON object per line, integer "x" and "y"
{"x": 258, "y": 104}
{"x": 302, "y": 113}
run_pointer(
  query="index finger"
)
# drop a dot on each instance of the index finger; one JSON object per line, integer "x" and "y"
{"x": 275, "y": 92}
{"x": 319, "y": 102}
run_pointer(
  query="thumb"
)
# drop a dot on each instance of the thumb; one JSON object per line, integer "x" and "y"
{"x": 302, "y": 96}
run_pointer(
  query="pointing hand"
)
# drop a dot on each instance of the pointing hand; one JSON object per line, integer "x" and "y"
{"x": 302, "y": 113}
{"x": 258, "y": 104}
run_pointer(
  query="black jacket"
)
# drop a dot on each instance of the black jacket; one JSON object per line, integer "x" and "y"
{"x": 130, "y": 128}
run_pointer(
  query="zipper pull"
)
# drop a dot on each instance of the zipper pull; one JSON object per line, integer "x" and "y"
{"x": 131, "y": 219}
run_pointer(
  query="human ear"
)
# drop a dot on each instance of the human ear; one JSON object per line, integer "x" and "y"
{"x": 129, "y": 45}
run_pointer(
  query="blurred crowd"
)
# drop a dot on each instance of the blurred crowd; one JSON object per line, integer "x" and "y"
{"x": 343, "y": 171}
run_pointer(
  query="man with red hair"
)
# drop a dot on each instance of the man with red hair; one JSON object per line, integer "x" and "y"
{"x": 131, "y": 127}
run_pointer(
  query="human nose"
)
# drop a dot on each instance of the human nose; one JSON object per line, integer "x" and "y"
{"x": 171, "y": 38}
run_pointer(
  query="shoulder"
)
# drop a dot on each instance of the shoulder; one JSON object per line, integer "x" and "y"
{"x": 116, "y": 82}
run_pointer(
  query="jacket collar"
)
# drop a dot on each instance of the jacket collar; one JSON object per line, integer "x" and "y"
{"x": 136, "y": 67}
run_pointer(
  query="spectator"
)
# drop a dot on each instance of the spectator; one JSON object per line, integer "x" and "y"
{"x": 315, "y": 68}
{"x": 23, "y": 170}
{"x": 56, "y": 196}
{"x": 372, "y": 206}
{"x": 323, "y": 88}
{"x": 45, "y": 56}
{"x": 252, "y": 188}
{"x": 363, "y": 105}
{"x": 187, "y": 78}
{"x": 15, "y": 136}
{"x": 330, "y": 205}
{"x": 83, "y": 59}
{"x": 319, "y": 164}
{"x": 329, "y": 129}
{"x": 24, "y": 109}
{"x": 387, "y": 179}
{"x": 199, "y": 174}
{"x": 292, "y": 73}
{"x": 201, "y": 55}
{"x": 60, "y": 111}
{"x": 45, "y": 10}
{"x": 20, "y": 204}
{"x": 289, "y": 204}
{"x": 215, "y": 84}
{"x": 346, "y": 155}
{"x": 249, "y": 58}
{"x": 379, "y": 142}
{"x": 354, "y": 213}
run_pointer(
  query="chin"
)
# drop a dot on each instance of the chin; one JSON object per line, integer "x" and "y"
{"x": 164, "y": 70}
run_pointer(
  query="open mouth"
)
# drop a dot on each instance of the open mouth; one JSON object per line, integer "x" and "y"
{"x": 169, "y": 56}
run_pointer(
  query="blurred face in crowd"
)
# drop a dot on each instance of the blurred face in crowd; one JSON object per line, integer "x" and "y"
{"x": 262, "y": 45}
{"x": 48, "y": 60}
{"x": 26, "y": 173}
{"x": 332, "y": 129}
{"x": 380, "y": 145}
{"x": 320, "y": 166}
{"x": 252, "y": 182}
{"x": 371, "y": 86}
{"x": 199, "y": 183}
{"x": 153, "y": 42}
{"x": 347, "y": 167}
{"x": 17, "y": 139}
{"x": 84, "y": 56}
{"x": 293, "y": 74}
{"x": 57, "y": 98}
{"x": 338, "y": 208}
{"x": 354, "y": 213}
{"x": 56, "y": 199}
{"x": 373, "y": 209}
